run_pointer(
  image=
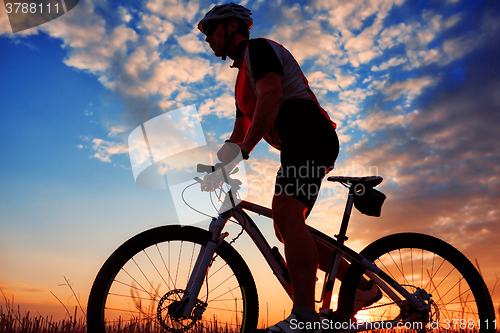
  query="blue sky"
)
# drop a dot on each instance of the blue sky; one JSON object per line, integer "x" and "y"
{"x": 412, "y": 85}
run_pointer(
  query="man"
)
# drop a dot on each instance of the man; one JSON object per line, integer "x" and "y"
{"x": 275, "y": 103}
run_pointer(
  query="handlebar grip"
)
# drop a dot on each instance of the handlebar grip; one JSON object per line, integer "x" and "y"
{"x": 205, "y": 168}
{"x": 208, "y": 168}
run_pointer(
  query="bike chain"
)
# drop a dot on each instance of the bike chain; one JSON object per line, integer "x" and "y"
{"x": 397, "y": 303}
{"x": 381, "y": 305}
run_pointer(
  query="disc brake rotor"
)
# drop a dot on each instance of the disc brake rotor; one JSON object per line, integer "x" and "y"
{"x": 170, "y": 319}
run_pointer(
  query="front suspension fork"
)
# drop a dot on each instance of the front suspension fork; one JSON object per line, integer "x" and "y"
{"x": 202, "y": 265}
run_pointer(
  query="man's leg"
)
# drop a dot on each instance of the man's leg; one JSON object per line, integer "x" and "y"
{"x": 300, "y": 249}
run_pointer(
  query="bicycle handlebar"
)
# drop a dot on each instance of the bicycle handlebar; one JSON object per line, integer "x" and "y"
{"x": 210, "y": 183}
{"x": 208, "y": 168}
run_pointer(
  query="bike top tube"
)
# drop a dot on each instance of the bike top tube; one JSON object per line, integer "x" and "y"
{"x": 261, "y": 210}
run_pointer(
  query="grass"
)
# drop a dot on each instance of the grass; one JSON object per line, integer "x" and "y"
{"x": 13, "y": 320}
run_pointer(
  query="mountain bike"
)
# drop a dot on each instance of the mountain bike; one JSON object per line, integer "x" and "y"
{"x": 179, "y": 277}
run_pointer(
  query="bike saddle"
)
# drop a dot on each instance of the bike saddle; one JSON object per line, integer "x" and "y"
{"x": 368, "y": 181}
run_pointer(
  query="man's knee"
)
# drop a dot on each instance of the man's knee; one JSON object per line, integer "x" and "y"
{"x": 287, "y": 212}
{"x": 285, "y": 206}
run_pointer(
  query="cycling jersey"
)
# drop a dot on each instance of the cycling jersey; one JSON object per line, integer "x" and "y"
{"x": 302, "y": 131}
{"x": 260, "y": 57}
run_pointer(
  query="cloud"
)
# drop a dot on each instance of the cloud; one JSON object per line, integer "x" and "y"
{"x": 175, "y": 10}
{"x": 348, "y": 16}
{"x": 380, "y": 120}
{"x": 394, "y": 35}
{"x": 90, "y": 46}
{"x": 409, "y": 88}
{"x": 330, "y": 82}
{"x": 105, "y": 149}
{"x": 311, "y": 42}
{"x": 223, "y": 106}
{"x": 415, "y": 36}
{"x": 396, "y": 61}
{"x": 124, "y": 13}
{"x": 138, "y": 65}
{"x": 158, "y": 28}
{"x": 301, "y": 32}
{"x": 176, "y": 74}
{"x": 225, "y": 76}
{"x": 447, "y": 49}
{"x": 191, "y": 42}
{"x": 116, "y": 130}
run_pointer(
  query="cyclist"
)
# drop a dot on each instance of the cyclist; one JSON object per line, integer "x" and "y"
{"x": 274, "y": 103}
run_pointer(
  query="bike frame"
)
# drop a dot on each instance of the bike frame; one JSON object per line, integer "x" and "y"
{"x": 278, "y": 266}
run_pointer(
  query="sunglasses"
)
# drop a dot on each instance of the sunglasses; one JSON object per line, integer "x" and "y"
{"x": 210, "y": 29}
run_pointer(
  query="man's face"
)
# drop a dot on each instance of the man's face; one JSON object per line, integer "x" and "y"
{"x": 215, "y": 38}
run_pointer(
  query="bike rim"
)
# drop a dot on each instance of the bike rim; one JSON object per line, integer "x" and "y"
{"x": 157, "y": 276}
{"x": 453, "y": 303}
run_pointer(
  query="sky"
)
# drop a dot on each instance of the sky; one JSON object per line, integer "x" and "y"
{"x": 413, "y": 87}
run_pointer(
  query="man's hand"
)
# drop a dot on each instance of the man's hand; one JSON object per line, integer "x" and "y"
{"x": 212, "y": 181}
{"x": 231, "y": 153}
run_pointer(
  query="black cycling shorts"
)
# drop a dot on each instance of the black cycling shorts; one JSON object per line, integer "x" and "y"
{"x": 308, "y": 152}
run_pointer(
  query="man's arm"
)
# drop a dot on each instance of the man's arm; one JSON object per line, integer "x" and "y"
{"x": 269, "y": 100}
{"x": 227, "y": 153}
{"x": 241, "y": 125}
{"x": 247, "y": 134}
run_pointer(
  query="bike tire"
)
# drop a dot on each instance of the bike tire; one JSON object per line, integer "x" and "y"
{"x": 461, "y": 297}
{"x": 151, "y": 269}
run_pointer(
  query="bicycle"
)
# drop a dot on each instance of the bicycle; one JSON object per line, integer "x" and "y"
{"x": 178, "y": 277}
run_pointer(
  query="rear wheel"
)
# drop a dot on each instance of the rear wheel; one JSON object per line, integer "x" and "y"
{"x": 459, "y": 297}
{"x": 142, "y": 283}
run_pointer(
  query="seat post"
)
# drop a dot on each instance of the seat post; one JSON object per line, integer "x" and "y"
{"x": 341, "y": 237}
{"x": 332, "y": 272}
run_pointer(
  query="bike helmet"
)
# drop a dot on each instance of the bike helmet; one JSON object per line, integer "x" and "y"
{"x": 224, "y": 13}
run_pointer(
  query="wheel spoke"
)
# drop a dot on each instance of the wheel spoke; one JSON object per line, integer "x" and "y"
{"x": 147, "y": 282}
{"x": 448, "y": 283}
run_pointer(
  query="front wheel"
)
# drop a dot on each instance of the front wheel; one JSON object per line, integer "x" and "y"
{"x": 424, "y": 265}
{"x": 142, "y": 284}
